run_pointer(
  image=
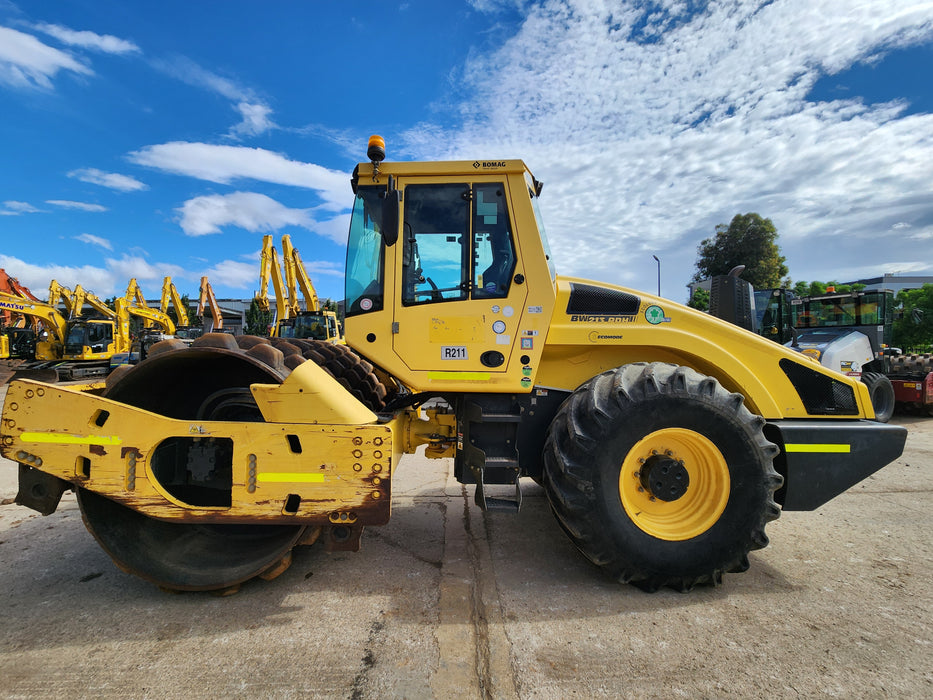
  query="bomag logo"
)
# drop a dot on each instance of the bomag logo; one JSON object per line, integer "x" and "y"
{"x": 489, "y": 164}
{"x": 11, "y": 305}
{"x": 579, "y": 318}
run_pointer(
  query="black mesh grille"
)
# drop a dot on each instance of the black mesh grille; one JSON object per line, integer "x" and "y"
{"x": 587, "y": 299}
{"x": 820, "y": 394}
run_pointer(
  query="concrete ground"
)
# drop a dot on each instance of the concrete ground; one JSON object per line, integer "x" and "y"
{"x": 446, "y": 601}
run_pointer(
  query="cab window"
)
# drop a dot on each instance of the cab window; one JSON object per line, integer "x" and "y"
{"x": 493, "y": 252}
{"x": 457, "y": 243}
{"x": 365, "y": 253}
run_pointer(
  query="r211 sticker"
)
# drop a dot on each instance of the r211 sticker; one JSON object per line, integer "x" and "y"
{"x": 454, "y": 352}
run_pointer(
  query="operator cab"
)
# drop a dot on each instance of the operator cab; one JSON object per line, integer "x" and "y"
{"x": 448, "y": 271}
{"x": 97, "y": 336}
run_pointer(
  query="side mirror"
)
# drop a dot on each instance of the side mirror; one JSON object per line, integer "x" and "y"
{"x": 391, "y": 205}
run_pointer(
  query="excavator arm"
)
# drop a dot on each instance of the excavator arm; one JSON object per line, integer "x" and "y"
{"x": 270, "y": 269}
{"x": 135, "y": 298}
{"x": 208, "y": 299}
{"x": 48, "y": 315}
{"x": 291, "y": 286}
{"x": 82, "y": 297}
{"x": 60, "y": 294}
{"x": 10, "y": 285}
{"x": 147, "y": 314}
{"x": 265, "y": 267}
{"x": 170, "y": 296}
{"x": 295, "y": 273}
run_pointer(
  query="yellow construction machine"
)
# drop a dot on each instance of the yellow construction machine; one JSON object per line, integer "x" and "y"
{"x": 91, "y": 345}
{"x": 50, "y": 340}
{"x": 269, "y": 269}
{"x": 665, "y": 439}
{"x": 172, "y": 299}
{"x": 312, "y": 322}
{"x": 19, "y": 333}
{"x": 208, "y": 302}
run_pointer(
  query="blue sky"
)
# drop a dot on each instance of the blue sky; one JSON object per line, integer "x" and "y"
{"x": 146, "y": 139}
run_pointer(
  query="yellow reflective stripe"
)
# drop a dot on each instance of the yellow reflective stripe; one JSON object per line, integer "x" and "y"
{"x": 61, "y": 439}
{"x": 830, "y": 447}
{"x": 466, "y": 376}
{"x": 290, "y": 478}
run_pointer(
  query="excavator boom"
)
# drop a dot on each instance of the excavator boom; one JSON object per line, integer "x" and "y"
{"x": 170, "y": 296}
{"x": 208, "y": 299}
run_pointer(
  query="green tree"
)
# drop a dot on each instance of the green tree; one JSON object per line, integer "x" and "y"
{"x": 812, "y": 289}
{"x": 257, "y": 320}
{"x": 913, "y": 331}
{"x": 748, "y": 240}
{"x": 699, "y": 300}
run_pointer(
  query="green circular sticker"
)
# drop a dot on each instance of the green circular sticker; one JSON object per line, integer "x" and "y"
{"x": 654, "y": 314}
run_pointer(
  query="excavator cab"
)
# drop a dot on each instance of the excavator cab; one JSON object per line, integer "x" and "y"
{"x": 309, "y": 325}
{"x": 22, "y": 343}
{"x": 86, "y": 339}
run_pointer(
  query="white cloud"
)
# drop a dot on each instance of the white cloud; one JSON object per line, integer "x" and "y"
{"x": 255, "y": 119}
{"x": 81, "y": 206}
{"x": 316, "y": 268}
{"x": 495, "y": 6}
{"x": 656, "y": 124}
{"x": 254, "y": 113}
{"x": 238, "y": 275}
{"x": 94, "y": 240}
{"x": 248, "y": 210}
{"x": 129, "y": 266}
{"x": 226, "y": 164}
{"x": 335, "y": 229}
{"x": 14, "y": 208}
{"x": 114, "y": 181}
{"x": 88, "y": 40}
{"x": 27, "y": 62}
{"x": 104, "y": 281}
{"x": 189, "y": 72}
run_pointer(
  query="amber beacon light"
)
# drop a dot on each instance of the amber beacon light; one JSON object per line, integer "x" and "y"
{"x": 376, "y": 149}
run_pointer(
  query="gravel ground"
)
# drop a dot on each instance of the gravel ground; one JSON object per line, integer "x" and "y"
{"x": 446, "y": 601}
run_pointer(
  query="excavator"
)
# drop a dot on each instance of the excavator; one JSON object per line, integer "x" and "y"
{"x": 10, "y": 285}
{"x": 291, "y": 321}
{"x": 18, "y": 333}
{"x": 207, "y": 301}
{"x": 172, "y": 299}
{"x": 313, "y": 322}
{"x": 92, "y": 346}
{"x": 270, "y": 269}
{"x": 46, "y": 345}
{"x": 666, "y": 440}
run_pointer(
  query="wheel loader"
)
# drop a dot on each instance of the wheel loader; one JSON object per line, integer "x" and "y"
{"x": 665, "y": 439}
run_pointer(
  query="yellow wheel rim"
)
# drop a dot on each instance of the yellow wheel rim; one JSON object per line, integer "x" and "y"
{"x": 687, "y": 470}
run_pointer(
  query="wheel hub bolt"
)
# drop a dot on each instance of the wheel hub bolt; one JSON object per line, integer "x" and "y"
{"x": 664, "y": 478}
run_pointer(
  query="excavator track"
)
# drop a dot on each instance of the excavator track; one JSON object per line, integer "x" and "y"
{"x": 209, "y": 380}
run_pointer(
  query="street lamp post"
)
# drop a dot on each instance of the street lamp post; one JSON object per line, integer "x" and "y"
{"x": 659, "y": 273}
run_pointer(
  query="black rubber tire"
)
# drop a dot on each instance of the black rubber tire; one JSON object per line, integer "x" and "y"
{"x": 882, "y": 395}
{"x": 600, "y": 424}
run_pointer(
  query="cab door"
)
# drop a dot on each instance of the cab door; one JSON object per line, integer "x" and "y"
{"x": 459, "y": 302}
